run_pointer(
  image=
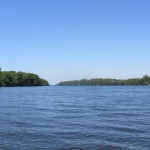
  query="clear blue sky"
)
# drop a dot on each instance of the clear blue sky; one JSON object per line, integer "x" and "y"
{"x": 74, "y": 39}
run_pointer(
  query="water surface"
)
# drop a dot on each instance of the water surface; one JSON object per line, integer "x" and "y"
{"x": 84, "y": 118}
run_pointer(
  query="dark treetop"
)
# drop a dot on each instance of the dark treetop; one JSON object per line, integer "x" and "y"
{"x": 100, "y": 81}
{"x": 12, "y": 78}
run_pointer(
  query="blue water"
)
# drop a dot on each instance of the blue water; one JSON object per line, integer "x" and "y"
{"x": 75, "y": 118}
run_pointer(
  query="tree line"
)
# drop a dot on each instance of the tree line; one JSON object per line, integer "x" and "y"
{"x": 145, "y": 81}
{"x": 12, "y": 78}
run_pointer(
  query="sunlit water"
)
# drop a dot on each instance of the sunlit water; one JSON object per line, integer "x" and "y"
{"x": 72, "y": 118}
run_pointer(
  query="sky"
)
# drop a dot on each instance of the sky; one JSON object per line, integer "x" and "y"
{"x": 75, "y": 39}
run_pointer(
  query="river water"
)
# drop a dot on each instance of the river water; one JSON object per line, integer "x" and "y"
{"x": 75, "y": 118}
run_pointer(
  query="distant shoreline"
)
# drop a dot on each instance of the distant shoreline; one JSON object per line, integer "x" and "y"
{"x": 19, "y": 79}
{"x": 145, "y": 81}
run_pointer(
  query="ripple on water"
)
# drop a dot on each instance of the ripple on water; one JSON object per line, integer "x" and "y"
{"x": 74, "y": 118}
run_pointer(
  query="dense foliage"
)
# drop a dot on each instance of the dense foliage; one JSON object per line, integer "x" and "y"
{"x": 12, "y": 78}
{"x": 100, "y": 81}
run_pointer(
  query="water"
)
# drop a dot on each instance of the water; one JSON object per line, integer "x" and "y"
{"x": 75, "y": 118}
